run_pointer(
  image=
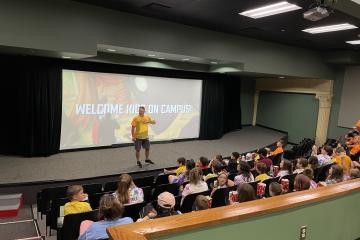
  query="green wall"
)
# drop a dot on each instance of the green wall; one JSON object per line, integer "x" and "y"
{"x": 247, "y": 100}
{"x": 334, "y": 131}
{"x": 336, "y": 219}
{"x": 294, "y": 113}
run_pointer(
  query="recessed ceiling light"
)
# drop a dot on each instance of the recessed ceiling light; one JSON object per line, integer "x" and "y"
{"x": 330, "y": 28}
{"x": 111, "y": 50}
{"x": 151, "y": 55}
{"x": 270, "y": 10}
{"x": 213, "y": 62}
{"x": 66, "y": 57}
{"x": 161, "y": 58}
{"x": 354, "y": 42}
{"x": 283, "y": 30}
{"x": 185, "y": 59}
{"x": 281, "y": 77}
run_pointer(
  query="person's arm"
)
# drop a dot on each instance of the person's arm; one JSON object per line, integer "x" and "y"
{"x": 133, "y": 130}
{"x": 151, "y": 121}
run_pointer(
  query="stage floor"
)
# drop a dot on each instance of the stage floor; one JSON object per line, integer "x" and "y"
{"x": 93, "y": 163}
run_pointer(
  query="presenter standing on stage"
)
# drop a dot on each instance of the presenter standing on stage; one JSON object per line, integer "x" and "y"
{"x": 140, "y": 136}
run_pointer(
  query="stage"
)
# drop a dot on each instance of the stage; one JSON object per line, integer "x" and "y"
{"x": 104, "y": 162}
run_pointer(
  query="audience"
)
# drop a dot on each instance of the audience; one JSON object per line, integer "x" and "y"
{"x": 245, "y": 174}
{"x": 127, "y": 192}
{"x": 233, "y": 163}
{"x": 182, "y": 168}
{"x": 261, "y": 168}
{"x": 336, "y": 174}
{"x": 263, "y": 159}
{"x": 222, "y": 182}
{"x": 313, "y": 162}
{"x": 183, "y": 177}
{"x": 203, "y": 163}
{"x": 216, "y": 170}
{"x": 343, "y": 160}
{"x": 285, "y": 168}
{"x": 279, "y": 148}
{"x": 201, "y": 203}
{"x": 111, "y": 211}
{"x": 195, "y": 184}
{"x": 325, "y": 157}
{"x": 355, "y": 147}
{"x": 310, "y": 174}
{"x": 354, "y": 173}
{"x": 76, "y": 195}
{"x": 301, "y": 164}
{"x": 164, "y": 207}
{"x": 218, "y": 159}
{"x": 275, "y": 189}
{"x": 301, "y": 183}
{"x": 245, "y": 193}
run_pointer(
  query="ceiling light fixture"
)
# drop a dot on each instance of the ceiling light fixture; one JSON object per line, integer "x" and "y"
{"x": 66, "y": 57}
{"x": 330, "y": 28}
{"x": 151, "y": 55}
{"x": 161, "y": 58}
{"x": 354, "y": 42}
{"x": 185, "y": 59}
{"x": 111, "y": 50}
{"x": 269, "y": 10}
{"x": 213, "y": 62}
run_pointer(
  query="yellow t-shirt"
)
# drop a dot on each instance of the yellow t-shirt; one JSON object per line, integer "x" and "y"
{"x": 344, "y": 161}
{"x": 76, "y": 207}
{"x": 141, "y": 125}
{"x": 262, "y": 177}
{"x": 180, "y": 170}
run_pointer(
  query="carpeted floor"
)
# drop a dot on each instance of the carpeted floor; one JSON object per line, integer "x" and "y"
{"x": 92, "y": 163}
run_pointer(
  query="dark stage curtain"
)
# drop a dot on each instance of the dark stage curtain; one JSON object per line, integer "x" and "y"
{"x": 221, "y": 109}
{"x": 32, "y": 99}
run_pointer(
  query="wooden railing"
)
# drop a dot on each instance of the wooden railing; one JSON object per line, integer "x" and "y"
{"x": 196, "y": 220}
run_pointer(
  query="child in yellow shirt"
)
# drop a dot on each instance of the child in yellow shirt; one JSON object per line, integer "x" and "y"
{"x": 77, "y": 197}
{"x": 261, "y": 168}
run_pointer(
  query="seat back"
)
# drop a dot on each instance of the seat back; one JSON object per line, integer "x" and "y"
{"x": 254, "y": 185}
{"x": 93, "y": 188}
{"x": 133, "y": 210}
{"x": 110, "y": 186}
{"x": 71, "y": 225}
{"x": 171, "y": 188}
{"x": 189, "y": 200}
{"x": 276, "y": 159}
{"x": 54, "y": 213}
{"x": 232, "y": 176}
{"x": 144, "y": 181}
{"x": 323, "y": 173}
{"x": 210, "y": 182}
{"x": 94, "y": 199}
{"x": 147, "y": 193}
{"x": 220, "y": 197}
{"x": 206, "y": 171}
{"x": 162, "y": 178}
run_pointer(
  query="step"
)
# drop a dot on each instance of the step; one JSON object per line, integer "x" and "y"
{"x": 10, "y": 204}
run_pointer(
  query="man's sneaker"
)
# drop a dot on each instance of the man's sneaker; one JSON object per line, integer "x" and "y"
{"x": 139, "y": 164}
{"x": 149, "y": 161}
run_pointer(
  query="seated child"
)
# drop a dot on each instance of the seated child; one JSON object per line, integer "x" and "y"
{"x": 77, "y": 197}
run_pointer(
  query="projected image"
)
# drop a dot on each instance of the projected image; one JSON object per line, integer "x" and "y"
{"x": 98, "y": 108}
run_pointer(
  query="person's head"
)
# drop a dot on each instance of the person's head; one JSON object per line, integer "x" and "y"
{"x": 219, "y": 158}
{"x": 289, "y": 155}
{"x": 195, "y": 175}
{"x": 124, "y": 185}
{"x": 275, "y": 189}
{"x": 340, "y": 151}
{"x": 327, "y": 150}
{"x": 246, "y": 193}
{"x": 262, "y": 152}
{"x": 309, "y": 173}
{"x": 244, "y": 168}
{"x": 217, "y": 167}
{"x": 166, "y": 201}
{"x": 110, "y": 208}
{"x": 141, "y": 111}
{"x": 235, "y": 155}
{"x": 201, "y": 203}
{"x": 286, "y": 165}
{"x": 280, "y": 144}
{"x": 354, "y": 173}
{"x": 204, "y": 161}
{"x": 314, "y": 162}
{"x": 336, "y": 172}
{"x": 222, "y": 179}
{"x": 261, "y": 168}
{"x": 249, "y": 157}
{"x": 190, "y": 164}
{"x": 301, "y": 182}
{"x": 75, "y": 193}
{"x": 181, "y": 161}
{"x": 302, "y": 163}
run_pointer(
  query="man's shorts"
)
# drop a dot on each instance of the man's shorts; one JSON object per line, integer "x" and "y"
{"x": 144, "y": 143}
